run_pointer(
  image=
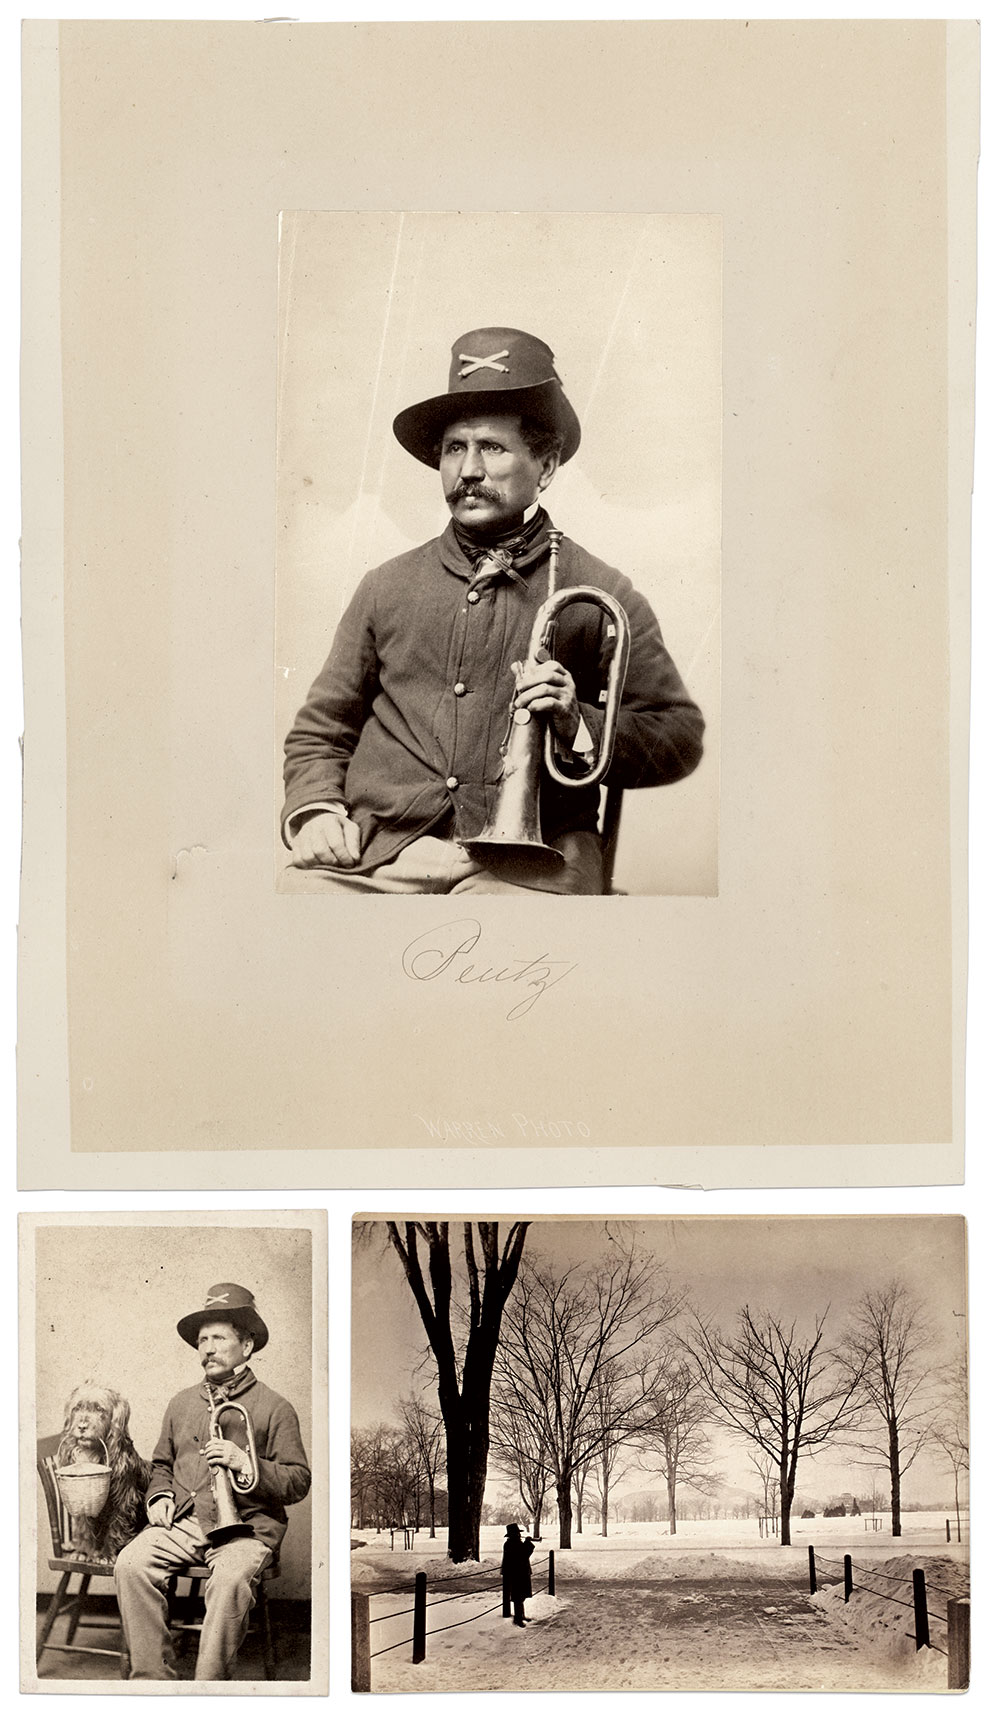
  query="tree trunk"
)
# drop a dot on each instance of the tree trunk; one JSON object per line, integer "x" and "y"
{"x": 672, "y": 1499}
{"x": 579, "y": 1514}
{"x": 787, "y": 1496}
{"x": 430, "y": 1502}
{"x": 536, "y": 1533}
{"x": 467, "y": 1447}
{"x": 958, "y": 1515}
{"x": 895, "y": 1483}
{"x": 564, "y": 1503}
{"x": 604, "y": 1512}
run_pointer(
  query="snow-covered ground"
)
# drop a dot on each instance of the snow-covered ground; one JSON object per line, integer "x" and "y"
{"x": 713, "y": 1607}
{"x": 880, "y": 1610}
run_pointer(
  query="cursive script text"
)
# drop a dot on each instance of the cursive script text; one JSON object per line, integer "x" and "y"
{"x": 445, "y": 952}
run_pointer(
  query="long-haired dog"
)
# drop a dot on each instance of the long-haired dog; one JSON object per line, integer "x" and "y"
{"x": 94, "y": 1414}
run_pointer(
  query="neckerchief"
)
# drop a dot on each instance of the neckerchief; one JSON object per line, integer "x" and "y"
{"x": 229, "y": 1387}
{"x": 506, "y": 555}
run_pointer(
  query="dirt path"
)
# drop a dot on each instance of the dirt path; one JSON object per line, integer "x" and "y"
{"x": 698, "y": 1635}
{"x": 671, "y": 1634}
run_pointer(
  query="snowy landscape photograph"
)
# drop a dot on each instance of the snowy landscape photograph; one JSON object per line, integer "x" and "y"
{"x": 703, "y": 1453}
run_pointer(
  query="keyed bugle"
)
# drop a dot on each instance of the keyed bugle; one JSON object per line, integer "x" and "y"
{"x": 225, "y": 1481}
{"x": 513, "y": 831}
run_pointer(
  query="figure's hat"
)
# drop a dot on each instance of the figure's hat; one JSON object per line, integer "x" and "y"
{"x": 226, "y": 1302}
{"x": 495, "y": 371}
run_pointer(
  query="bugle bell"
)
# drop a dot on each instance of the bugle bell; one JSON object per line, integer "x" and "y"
{"x": 513, "y": 832}
{"x": 228, "y": 1523}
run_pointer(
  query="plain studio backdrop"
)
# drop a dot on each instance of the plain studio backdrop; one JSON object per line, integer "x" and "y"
{"x": 370, "y": 306}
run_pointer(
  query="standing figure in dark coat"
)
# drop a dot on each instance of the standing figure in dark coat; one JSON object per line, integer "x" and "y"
{"x": 515, "y": 1569}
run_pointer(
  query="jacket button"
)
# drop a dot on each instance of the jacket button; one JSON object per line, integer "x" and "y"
{"x": 472, "y": 597}
{"x": 459, "y": 688}
{"x": 451, "y": 782}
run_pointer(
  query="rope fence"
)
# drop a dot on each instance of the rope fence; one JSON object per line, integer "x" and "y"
{"x": 956, "y": 1619}
{"x": 455, "y": 1577}
{"x": 439, "y": 1628}
{"x": 362, "y": 1620}
{"x": 481, "y": 1614}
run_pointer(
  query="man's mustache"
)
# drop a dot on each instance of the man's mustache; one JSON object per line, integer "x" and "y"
{"x": 479, "y": 489}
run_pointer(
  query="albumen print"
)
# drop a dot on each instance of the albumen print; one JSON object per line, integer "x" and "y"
{"x": 662, "y": 1454}
{"x": 173, "y": 1434}
{"x": 494, "y": 693}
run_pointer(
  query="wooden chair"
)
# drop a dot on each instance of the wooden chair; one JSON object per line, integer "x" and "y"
{"x": 68, "y": 1561}
{"x": 187, "y": 1609}
{"x": 611, "y": 815}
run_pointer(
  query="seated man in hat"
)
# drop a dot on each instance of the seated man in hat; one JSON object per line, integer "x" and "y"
{"x": 393, "y": 766}
{"x": 255, "y": 1461}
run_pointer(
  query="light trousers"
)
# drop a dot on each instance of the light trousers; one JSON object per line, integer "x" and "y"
{"x": 433, "y": 865}
{"x": 142, "y": 1571}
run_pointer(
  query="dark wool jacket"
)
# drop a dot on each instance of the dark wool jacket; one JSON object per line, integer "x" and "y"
{"x": 180, "y": 1469}
{"x": 405, "y": 722}
{"x": 515, "y": 1567}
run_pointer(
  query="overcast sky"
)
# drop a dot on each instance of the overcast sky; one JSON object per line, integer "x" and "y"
{"x": 792, "y": 1267}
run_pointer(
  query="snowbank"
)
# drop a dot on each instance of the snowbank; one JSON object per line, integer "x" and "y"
{"x": 649, "y": 1551}
{"x": 880, "y": 1611}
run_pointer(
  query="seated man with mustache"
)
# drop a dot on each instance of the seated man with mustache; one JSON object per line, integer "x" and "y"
{"x": 181, "y": 1500}
{"x": 393, "y": 766}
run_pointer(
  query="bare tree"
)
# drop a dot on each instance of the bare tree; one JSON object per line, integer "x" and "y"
{"x": 609, "y": 1465}
{"x": 426, "y": 1434}
{"x": 949, "y": 1433}
{"x": 518, "y": 1446}
{"x": 567, "y": 1329}
{"x": 887, "y": 1346}
{"x": 360, "y": 1476}
{"x": 371, "y": 1454}
{"x": 385, "y": 1477}
{"x": 676, "y": 1444}
{"x": 767, "y": 1475}
{"x": 580, "y": 1475}
{"x": 772, "y": 1385}
{"x": 464, "y": 1347}
{"x": 875, "y": 1497}
{"x": 401, "y": 1481}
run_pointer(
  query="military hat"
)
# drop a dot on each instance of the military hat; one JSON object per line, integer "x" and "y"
{"x": 226, "y": 1302}
{"x": 495, "y": 371}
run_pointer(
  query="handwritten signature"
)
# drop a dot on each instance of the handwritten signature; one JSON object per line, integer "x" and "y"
{"x": 443, "y": 951}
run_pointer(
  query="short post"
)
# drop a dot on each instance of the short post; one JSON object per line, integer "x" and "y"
{"x": 947, "y": 1529}
{"x": 812, "y": 1571}
{"x": 505, "y": 1614}
{"x": 958, "y": 1644}
{"x": 552, "y": 1571}
{"x": 920, "y": 1626}
{"x": 361, "y": 1647}
{"x": 848, "y": 1579}
{"x": 420, "y": 1618}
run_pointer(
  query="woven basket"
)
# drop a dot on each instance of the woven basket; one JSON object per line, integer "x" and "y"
{"x": 84, "y": 1488}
